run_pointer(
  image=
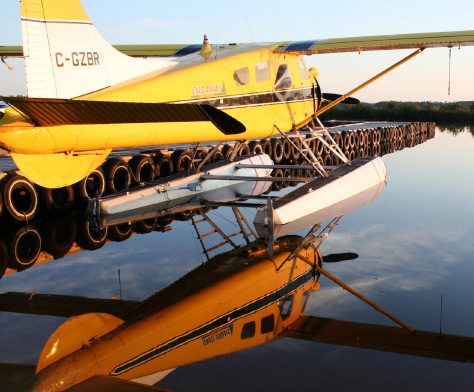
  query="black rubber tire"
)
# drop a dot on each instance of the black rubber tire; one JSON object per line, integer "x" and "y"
{"x": 121, "y": 232}
{"x": 88, "y": 237}
{"x": 277, "y": 154}
{"x": 267, "y": 147}
{"x": 142, "y": 168}
{"x": 25, "y": 247}
{"x": 165, "y": 220}
{"x": 182, "y": 160}
{"x": 244, "y": 150}
{"x": 218, "y": 156}
{"x": 255, "y": 148}
{"x": 184, "y": 215}
{"x": 90, "y": 187}
{"x": 164, "y": 166}
{"x": 287, "y": 147}
{"x": 20, "y": 198}
{"x": 145, "y": 226}
{"x": 57, "y": 200}
{"x": 296, "y": 151}
{"x": 277, "y": 185}
{"x": 117, "y": 175}
{"x": 59, "y": 236}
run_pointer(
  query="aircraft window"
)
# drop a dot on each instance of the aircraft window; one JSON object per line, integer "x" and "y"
{"x": 285, "y": 306}
{"x": 283, "y": 77}
{"x": 248, "y": 330}
{"x": 268, "y": 324}
{"x": 306, "y": 296}
{"x": 262, "y": 71}
{"x": 303, "y": 69}
{"x": 242, "y": 76}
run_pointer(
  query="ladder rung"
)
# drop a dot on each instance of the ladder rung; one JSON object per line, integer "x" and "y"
{"x": 216, "y": 246}
{"x": 208, "y": 234}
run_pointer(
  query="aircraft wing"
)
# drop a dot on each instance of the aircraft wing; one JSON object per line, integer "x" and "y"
{"x": 153, "y": 50}
{"x": 383, "y": 338}
{"x": 379, "y": 42}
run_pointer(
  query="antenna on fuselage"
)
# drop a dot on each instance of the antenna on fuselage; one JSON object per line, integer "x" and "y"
{"x": 250, "y": 29}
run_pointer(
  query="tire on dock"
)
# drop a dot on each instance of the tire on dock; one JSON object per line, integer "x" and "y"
{"x": 117, "y": 175}
{"x": 90, "y": 187}
{"x": 164, "y": 166}
{"x": 182, "y": 160}
{"x": 20, "y": 198}
{"x": 57, "y": 200}
{"x": 142, "y": 169}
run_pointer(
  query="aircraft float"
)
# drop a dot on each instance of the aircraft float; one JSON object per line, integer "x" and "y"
{"x": 86, "y": 97}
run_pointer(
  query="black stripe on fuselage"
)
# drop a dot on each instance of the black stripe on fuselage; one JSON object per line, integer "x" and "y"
{"x": 219, "y": 322}
{"x": 257, "y": 99}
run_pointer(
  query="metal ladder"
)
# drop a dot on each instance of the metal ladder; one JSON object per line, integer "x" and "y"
{"x": 305, "y": 150}
{"x": 245, "y": 230}
{"x": 315, "y": 237}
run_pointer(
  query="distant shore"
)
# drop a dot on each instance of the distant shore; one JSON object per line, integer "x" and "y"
{"x": 442, "y": 113}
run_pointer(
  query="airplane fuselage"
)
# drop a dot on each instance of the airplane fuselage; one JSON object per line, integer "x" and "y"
{"x": 233, "y": 303}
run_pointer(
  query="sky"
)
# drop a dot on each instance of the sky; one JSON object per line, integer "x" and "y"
{"x": 424, "y": 78}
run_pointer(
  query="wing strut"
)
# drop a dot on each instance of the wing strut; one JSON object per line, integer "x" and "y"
{"x": 357, "y": 294}
{"x": 360, "y": 87}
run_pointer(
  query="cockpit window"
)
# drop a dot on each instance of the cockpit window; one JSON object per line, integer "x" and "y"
{"x": 303, "y": 69}
{"x": 268, "y": 324}
{"x": 262, "y": 71}
{"x": 286, "y": 306}
{"x": 248, "y": 330}
{"x": 283, "y": 77}
{"x": 242, "y": 76}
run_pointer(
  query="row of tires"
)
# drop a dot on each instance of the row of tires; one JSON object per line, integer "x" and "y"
{"x": 20, "y": 200}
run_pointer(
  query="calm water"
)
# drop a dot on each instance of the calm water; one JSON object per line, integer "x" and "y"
{"x": 414, "y": 245}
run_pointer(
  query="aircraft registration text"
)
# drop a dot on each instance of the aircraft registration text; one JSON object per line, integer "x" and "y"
{"x": 77, "y": 59}
{"x": 217, "y": 335}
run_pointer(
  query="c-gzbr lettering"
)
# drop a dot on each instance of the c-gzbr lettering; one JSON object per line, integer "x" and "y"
{"x": 77, "y": 59}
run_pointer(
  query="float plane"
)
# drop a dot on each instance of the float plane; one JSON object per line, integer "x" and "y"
{"x": 86, "y": 97}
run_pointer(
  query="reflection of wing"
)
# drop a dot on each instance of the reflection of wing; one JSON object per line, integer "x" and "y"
{"x": 383, "y": 338}
{"x": 379, "y": 42}
{"x": 111, "y": 384}
{"x": 61, "y": 305}
{"x": 14, "y": 378}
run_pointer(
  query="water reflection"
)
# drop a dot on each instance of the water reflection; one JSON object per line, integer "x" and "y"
{"x": 238, "y": 299}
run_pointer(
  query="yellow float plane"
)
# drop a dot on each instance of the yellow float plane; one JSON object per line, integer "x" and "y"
{"x": 87, "y": 97}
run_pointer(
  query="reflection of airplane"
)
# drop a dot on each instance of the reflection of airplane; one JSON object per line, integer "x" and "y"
{"x": 237, "y": 300}
{"x": 266, "y": 88}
